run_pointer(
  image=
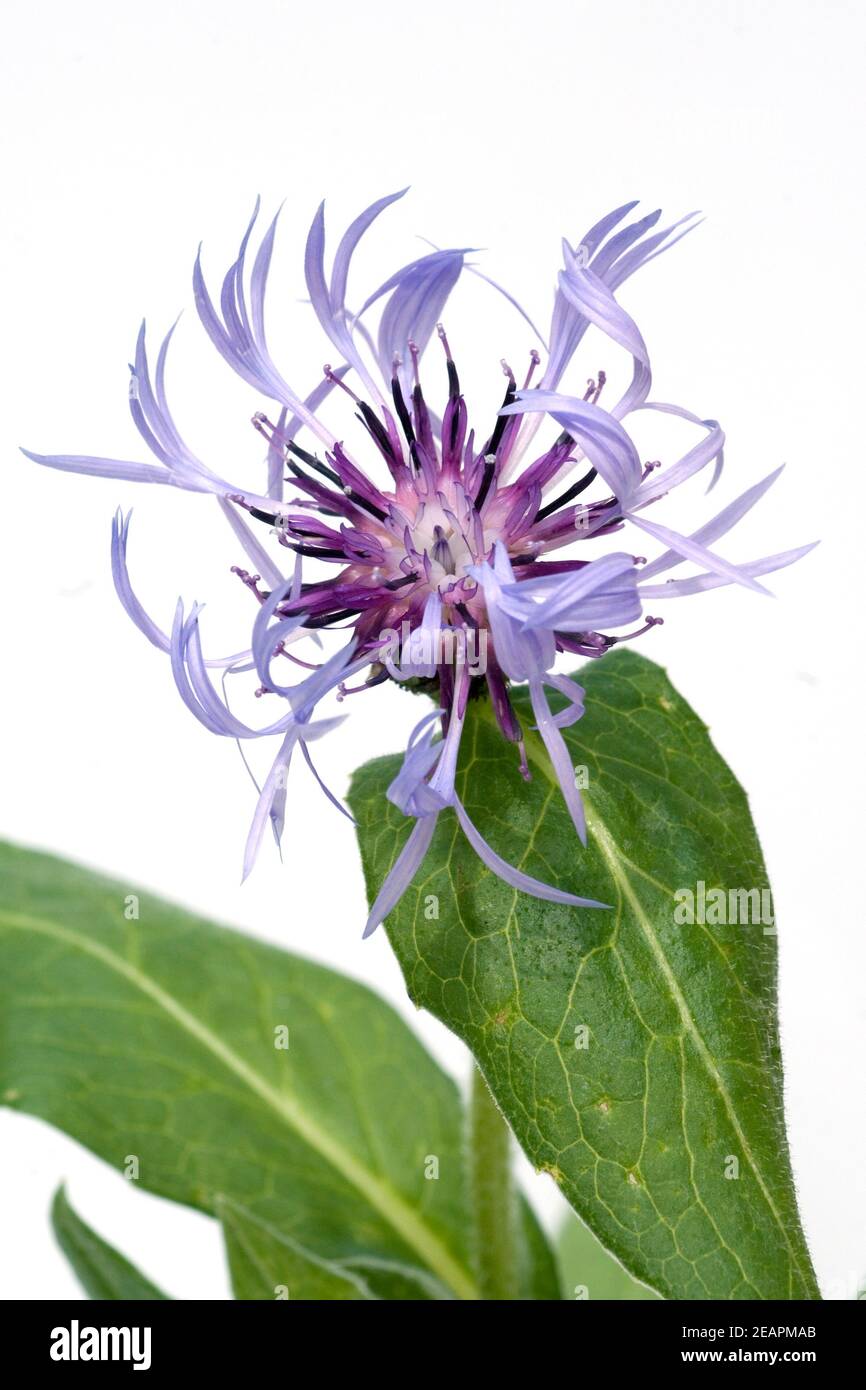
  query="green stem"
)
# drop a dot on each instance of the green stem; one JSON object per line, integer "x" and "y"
{"x": 493, "y": 1195}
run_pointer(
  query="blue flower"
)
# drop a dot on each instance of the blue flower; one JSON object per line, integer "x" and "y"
{"x": 439, "y": 570}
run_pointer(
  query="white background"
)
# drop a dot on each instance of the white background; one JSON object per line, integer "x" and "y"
{"x": 131, "y": 132}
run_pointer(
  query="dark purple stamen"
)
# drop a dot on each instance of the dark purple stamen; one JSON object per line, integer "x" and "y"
{"x": 502, "y": 420}
{"x": 330, "y": 618}
{"x": 486, "y": 480}
{"x": 312, "y": 462}
{"x": 315, "y": 554}
{"x": 402, "y": 411}
{"x": 574, "y": 491}
{"x": 380, "y": 435}
{"x": 269, "y": 518}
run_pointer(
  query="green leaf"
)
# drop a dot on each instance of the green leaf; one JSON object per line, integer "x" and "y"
{"x": 151, "y": 1037}
{"x": 588, "y": 1271}
{"x": 265, "y": 1264}
{"x": 680, "y": 1085}
{"x": 103, "y": 1272}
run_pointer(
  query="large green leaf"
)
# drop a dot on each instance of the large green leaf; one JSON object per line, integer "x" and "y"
{"x": 104, "y": 1273}
{"x": 680, "y": 1085}
{"x": 150, "y": 1036}
{"x": 266, "y": 1264}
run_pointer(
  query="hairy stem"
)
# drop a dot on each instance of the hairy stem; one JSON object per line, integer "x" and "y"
{"x": 493, "y": 1195}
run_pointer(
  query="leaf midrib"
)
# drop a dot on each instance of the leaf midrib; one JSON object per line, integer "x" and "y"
{"x": 537, "y": 754}
{"x": 380, "y": 1195}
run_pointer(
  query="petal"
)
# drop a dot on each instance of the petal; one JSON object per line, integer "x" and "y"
{"x": 420, "y": 655}
{"x": 123, "y": 585}
{"x": 720, "y": 525}
{"x": 442, "y": 781}
{"x": 700, "y": 583}
{"x": 646, "y": 251}
{"x": 409, "y": 790}
{"x": 602, "y": 594}
{"x": 239, "y": 335}
{"x": 613, "y": 261}
{"x": 559, "y": 756}
{"x": 349, "y": 242}
{"x": 419, "y": 294}
{"x": 109, "y": 468}
{"x": 691, "y": 550}
{"x": 132, "y": 605}
{"x": 518, "y": 652}
{"x": 274, "y": 783}
{"x": 574, "y": 693}
{"x": 588, "y": 293}
{"x": 667, "y": 409}
{"x": 253, "y": 548}
{"x": 515, "y": 878}
{"x": 329, "y": 301}
{"x": 403, "y": 871}
{"x": 334, "y": 800}
{"x": 602, "y": 438}
{"x": 664, "y": 480}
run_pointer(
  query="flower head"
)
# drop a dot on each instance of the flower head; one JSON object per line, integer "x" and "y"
{"x": 457, "y": 553}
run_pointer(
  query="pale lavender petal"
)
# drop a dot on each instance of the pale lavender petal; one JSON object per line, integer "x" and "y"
{"x": 442, "y": 781}
{"x": 601, "y": 437}
{"x": 277, "y": 456}
{"x": 409, "y": 790}
{"x": 420, "y": 655}
{"x": 314, "y": 267}
{"x": 691, "y": 550}
{"x": 110, "y": 468}
{"x": 349, "y": 242}
{"x": 238, "y": 336}
{"x": 328, "y": 301}
{"x": 700, "y": 583}
{"x": 253, "y": 548}
{"x": 718, "y": 527}
{"x": 200, "y": 697}
{"x": 274, "y": 783}
{"x": 179, "y": 639}
{"x": 125, "y": 592}
{"x": 334, "y": 800}
{"x": 603, "y": 594}
{"x": 664, "y": 480}
{"x": 419, "y": 294}
{"x": 568, "y": 324}
{"x": 591, "y": 297}
{"x": 515, "y": 878}
{"x": 133, "y": 606}
{"x": 648, "y": 250}
{"x": 593, "y": 239}
{"x": 221, "y": 718}
{"x": 403, "y": 871}
{"x": 574, "y": 693}
{"x": 259, "y": 280}
{"x": 519, "y": 653}
{"x": 559, "y": 756}
{"x": 667, "y": 409}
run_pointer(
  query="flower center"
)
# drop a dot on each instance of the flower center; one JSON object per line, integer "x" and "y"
{"x": 443, "y": 542}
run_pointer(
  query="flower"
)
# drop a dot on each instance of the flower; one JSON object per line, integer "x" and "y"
{"x": 439, "y": 571}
